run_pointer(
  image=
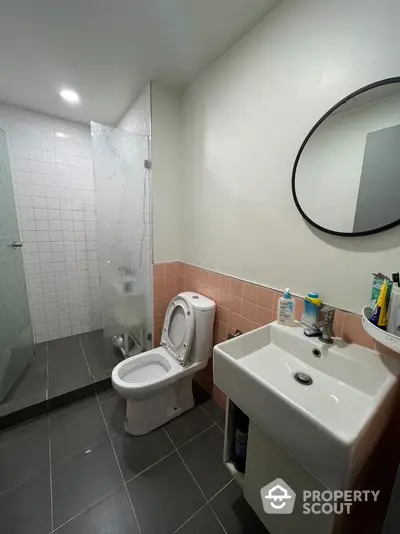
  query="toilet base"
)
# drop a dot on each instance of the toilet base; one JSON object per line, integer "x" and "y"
{"x": 144, "y": 415}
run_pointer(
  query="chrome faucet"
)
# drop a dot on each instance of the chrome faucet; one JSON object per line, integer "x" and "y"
{"x": 326, "y": 325}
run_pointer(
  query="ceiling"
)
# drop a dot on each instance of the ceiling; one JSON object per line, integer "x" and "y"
{"x": 107, "y": 50}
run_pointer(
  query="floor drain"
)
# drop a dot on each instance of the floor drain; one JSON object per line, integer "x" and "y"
{"x": 303, "y": 378}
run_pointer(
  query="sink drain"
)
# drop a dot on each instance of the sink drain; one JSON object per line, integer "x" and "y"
{"x": 304, "y": 379}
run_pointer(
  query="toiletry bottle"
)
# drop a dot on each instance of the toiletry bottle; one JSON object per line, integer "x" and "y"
{"x": 241, "y": 422}
{"x": 393, "y": 326}
{"x": 312, "y": 304}
{"x": 286, "y": 306}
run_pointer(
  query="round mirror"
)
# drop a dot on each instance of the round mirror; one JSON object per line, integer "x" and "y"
{"x": 346, "y": 177}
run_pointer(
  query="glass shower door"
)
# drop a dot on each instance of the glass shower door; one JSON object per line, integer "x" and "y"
{"x": 16, "y": 343}
{"x": 124, "y": 222}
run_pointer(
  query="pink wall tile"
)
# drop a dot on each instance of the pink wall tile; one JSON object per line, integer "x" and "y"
{"x": 171, "y": 280}
{"x": 204, "y": 276}
{"x": 236, "y": 287}
{"x": 223, "y": 314}
{"x": 262, "y": 315}
{"x": 353, "y": 332}
{"x": 235, "y": 304}
{"x": 265, "y": 297}
{"x": 250, "y": 292}
{"x": 298, "y": 308}
{"x": 386, "y": 350}
{"x": 277, "y": 296}
{"x": 223, "y": 330}
{"x": 159, "y": 269}
{"x": 338, "y": 323}
{"x": 248, "y": 310}
{"x": 182, "y": 268}
{"x": 213, "y": 279}
{"x": 159, "y": 283}
{"x": 210, "y": 292}
{"x": 240, "y": 306}
{"x": 224, "y": 283}
{"x": 171, "y": 268}
{"x": 223, "y": 299}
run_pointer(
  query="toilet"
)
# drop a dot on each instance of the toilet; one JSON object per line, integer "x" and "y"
{"x": 157, "y": 384}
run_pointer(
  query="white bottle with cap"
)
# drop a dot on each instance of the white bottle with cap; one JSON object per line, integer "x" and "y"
{"x": 286, "y": 306}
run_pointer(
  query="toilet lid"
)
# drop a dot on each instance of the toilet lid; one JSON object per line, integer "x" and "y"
{"x": 178, "y": 329}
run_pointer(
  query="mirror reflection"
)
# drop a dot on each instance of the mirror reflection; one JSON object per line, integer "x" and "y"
{"x": 347, "y": 178}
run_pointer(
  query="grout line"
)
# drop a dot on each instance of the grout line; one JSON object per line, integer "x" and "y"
{"x": 189, "y": 518}
{"x": 47, "y": 374}
{"x": 222, "y": 489}
{"x": 28, "y": 421}
{"x": 51, "y": 479}
{"x": 150, "y": 466}
{"x": 83, "y": 451}
{"x": 191, "y": 439}
{"x": 109, "y": 400}
{"x": 119, "y": 467}
{"x": 84, "y": 357}
{"x": 20, "y": 482}
{"x": 86, "y": 509}
{"x": 195, "y": 481}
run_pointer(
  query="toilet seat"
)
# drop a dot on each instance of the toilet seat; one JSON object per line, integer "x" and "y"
{"x": 178, "y": 329}
{"x": 141, "y": 375}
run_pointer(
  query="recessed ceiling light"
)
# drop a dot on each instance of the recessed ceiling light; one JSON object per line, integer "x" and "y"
{"x": 61, "y": 134}
{"x": 70, "y": 96}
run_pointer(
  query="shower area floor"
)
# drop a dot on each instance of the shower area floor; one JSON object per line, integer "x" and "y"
{"x": 60, "y": 372}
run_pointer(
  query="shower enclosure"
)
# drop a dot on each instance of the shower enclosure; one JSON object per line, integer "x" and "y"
{"x": 16, "y": 342}
{"x": 120, "y": 246}
{"x": 122, "y": 175}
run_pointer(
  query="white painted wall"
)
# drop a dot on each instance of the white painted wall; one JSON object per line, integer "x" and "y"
{"x": 157, "y": 111}
{"x": 137, "y": 118}
{"x": 243, "y": 122}
{"x": 166, "y": 172}
{"x": 329, "y": 170}
{"x": 52, "y": 171}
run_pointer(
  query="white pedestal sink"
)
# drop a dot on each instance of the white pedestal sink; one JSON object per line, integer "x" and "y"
{"x": 330, "y": 426}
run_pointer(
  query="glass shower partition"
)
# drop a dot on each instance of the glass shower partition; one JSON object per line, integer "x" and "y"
{"x": 123, "y": 197}
{"x": 16, "y": 341}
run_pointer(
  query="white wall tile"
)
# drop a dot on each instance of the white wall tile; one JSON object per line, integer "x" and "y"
{"x": 54, "y": 188}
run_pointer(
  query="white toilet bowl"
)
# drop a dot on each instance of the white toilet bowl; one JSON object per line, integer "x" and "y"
{"x": 158, "y": 383}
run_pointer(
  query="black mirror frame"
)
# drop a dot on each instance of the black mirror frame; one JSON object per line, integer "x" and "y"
{"x": 386, "y": 81}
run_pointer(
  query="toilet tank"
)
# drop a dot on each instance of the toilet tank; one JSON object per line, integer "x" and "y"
{"x": 204, "y": 314}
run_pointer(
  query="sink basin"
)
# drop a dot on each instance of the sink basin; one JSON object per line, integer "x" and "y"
{"x": 330, "y": 426}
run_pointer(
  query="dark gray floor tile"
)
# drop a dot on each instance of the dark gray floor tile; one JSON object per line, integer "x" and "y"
{"x": 136, "y": 453}
{"x": 26, "y": 508}
{"x": 204, "y": 522}
{"x": 33, "y": 379}
{"x": 64, "y": 349}
{"x": 164, "y": 496}
{"x": 81, "y": 481}
{"x": 75, "y": 428}
{"x": 215, "y": 411}
{"x": 23, "y": 408}
{"x": 100, "y": 354}
{"x": 188, "y": 425}
{"x": 25, "y": 456}
{"x": 112, "y": 515}
{"x": 106, "y": 395}
{"x": 203, "y": 456}
{"x": 68, "y": 379}
{"x": 15, "y": 432}
{"x": 234, "y": 512}
{"x": 114, "y": 414}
